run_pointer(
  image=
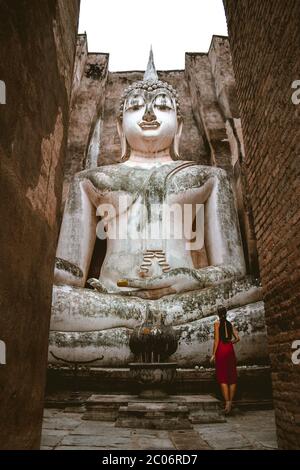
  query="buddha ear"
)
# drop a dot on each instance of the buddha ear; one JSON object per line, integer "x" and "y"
{"x": 177, "y": 138}
{"x": 123, "y": 140}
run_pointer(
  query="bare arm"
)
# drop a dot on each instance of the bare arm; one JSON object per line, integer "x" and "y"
{"x": 221, "y": 233}
{"x": 216, "y": 340}
{"x": 236, "y": 336}
{"x": 77, "y": 237}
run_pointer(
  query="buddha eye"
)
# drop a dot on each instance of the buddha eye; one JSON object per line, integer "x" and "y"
{"x": 135, "y": 102}
{"x": 163, "y": 102}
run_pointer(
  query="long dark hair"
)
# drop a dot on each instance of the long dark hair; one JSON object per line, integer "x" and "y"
{"x": 225, "y": 328}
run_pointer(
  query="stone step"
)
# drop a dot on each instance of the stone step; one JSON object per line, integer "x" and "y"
{"x": 201, "y": 408}
{"x": 204, "y": 401}
{"x": 155, "y": 409}
{"x": 194, "y": 402}
{"x": 151, "y": 415}
{"x": 105, "y": 407}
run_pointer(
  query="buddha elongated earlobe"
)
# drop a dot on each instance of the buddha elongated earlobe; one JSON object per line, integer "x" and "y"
{"x": 123, "y": 140}
{"x": 177, "y": 139}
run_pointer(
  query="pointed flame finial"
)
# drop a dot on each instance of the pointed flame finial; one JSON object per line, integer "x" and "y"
{"x": 150, "y": 74}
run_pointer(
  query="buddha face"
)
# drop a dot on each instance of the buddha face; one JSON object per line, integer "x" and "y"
{"x": 150, "y": 120}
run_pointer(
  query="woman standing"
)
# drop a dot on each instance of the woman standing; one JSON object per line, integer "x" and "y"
{"x": 225, "y": 335}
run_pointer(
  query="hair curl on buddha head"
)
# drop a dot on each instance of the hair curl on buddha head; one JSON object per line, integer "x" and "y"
{"x": 150, "y": 82}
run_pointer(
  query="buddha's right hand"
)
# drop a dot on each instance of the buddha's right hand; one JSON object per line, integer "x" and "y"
{"x": 175, "y": 281}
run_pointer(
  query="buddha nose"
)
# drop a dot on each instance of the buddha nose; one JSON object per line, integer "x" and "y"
{"x": 149, "y": 114}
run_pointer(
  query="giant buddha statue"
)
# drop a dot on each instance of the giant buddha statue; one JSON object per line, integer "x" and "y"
{"x": 173, "y": 245}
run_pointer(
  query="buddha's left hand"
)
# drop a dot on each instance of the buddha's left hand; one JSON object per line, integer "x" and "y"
{"x": 174, "y": 281}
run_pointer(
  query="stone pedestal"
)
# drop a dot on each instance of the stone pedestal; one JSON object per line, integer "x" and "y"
{"x": 154, "y": 379}
{"x": 173, "y": 411}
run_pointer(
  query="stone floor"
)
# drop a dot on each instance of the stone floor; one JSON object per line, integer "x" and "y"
{"x": 65, "y": 430}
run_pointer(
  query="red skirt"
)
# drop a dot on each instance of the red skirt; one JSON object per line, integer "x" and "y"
{"x": 226, "y": 363}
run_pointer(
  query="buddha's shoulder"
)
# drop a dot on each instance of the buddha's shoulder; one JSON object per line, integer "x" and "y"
{"x": 183, "y": 167}
{"x": 104, "y": 170}
{"x": 189, "y": 169}
{"x": 205, "y": 169}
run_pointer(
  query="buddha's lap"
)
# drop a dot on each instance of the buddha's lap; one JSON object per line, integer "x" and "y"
{"x": 89, "y": 305}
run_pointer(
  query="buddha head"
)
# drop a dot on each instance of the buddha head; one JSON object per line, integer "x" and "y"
{"x": 150, "y": 121}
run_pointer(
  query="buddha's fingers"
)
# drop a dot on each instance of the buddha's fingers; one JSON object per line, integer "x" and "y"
{"x": 155, "y": 283}
{"x": 152, "y": 294}
{"x": 97, "y": 285}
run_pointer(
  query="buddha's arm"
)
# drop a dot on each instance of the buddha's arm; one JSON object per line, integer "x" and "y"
{"x": 77, "y": 237}
{"x": 222, "y": 236}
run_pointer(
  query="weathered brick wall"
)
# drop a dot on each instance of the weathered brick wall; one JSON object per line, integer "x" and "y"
{"x": 37, "y": 50}
{"x": 265, "y": 43}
